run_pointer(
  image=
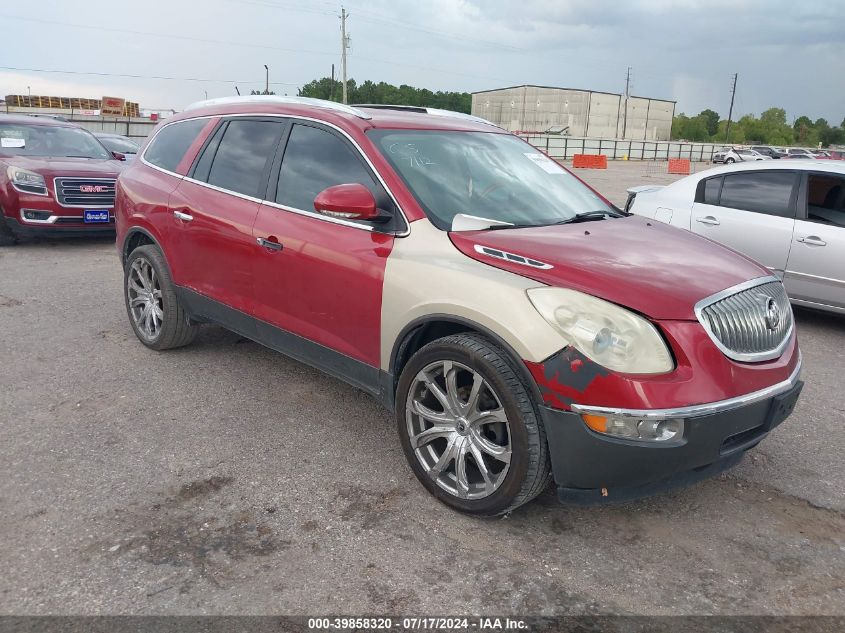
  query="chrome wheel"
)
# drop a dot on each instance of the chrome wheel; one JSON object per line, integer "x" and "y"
{"x": 145, "y": 303}
{"x": 458, "y": 429}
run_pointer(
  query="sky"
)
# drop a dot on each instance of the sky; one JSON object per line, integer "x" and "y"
{"x": 787, "y": 53}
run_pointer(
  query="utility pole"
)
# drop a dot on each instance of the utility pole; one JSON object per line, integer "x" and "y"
{"x": 331, "y": 94}
{"x": 627, "y": 92}
{"x": 266, "y": 80}
{"x": 731, "y": 111}
{"x": 344, "y": 46}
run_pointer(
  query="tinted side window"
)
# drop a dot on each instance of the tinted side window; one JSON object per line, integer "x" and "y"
{"x": 242, "y": 154}
{"x": 169, "y": 146}
{"x": 711, "y": 191}
{"x": 315, "y": 159}
{"x": 826, "y": 199}
{"x": 762, "y": 192}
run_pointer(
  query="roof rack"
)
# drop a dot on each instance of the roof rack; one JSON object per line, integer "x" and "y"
{"x": 424, "y": 110}
{"x": 270, "y": 99}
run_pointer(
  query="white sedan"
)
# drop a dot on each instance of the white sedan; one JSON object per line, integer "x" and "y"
{"x": 788, "y": 215}
{"x": 730, "y": 155}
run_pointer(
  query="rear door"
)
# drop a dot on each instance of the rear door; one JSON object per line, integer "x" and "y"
{"x": 214, "y": 208}
{"x": 816, "y": 269}
{"x": 753, "y": 212}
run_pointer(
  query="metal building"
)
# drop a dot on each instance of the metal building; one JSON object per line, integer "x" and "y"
{"x": 538, "y": 109}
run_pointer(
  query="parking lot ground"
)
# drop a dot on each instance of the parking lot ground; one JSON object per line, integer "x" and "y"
{"x": 224, "y": 478}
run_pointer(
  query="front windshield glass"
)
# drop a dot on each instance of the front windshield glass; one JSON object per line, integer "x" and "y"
{"x": 489, "y": 175}
{"x": 119, "y": 144}
{"x": 49, "y": 140}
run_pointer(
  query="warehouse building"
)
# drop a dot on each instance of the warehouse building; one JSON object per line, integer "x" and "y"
{"x": 539, "y": 109}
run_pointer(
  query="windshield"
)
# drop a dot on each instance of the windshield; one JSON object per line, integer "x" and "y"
{"x": 119, "y": 144}
{"x": 49, "y": 140}
{"x": 488, "y": 175}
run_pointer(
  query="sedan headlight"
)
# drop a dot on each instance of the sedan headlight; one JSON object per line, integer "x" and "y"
{"x": 605, "y": 333}
{"x": 27, "y": 181}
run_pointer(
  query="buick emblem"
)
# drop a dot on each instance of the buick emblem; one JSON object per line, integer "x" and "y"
{"x": 772, "y": 314}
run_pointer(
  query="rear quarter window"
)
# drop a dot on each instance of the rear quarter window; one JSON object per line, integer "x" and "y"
{"x": 169, "y": 145}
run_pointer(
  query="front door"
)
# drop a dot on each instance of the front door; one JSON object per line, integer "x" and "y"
{"x": 323, "y": 285}
{"x": 216, "y": 206}
{"x": 816, "y": 270}
{"x": 752, "y": 212}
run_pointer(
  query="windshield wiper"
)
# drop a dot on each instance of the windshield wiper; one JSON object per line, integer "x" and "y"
{"x": 586, "y": 216}
{"x": 589, "y": 216}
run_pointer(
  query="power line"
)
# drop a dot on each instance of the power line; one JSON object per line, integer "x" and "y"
{"x": 167, "y": 35}
{"x": 130, "y": 76}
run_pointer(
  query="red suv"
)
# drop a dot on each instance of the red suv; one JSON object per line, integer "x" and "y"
{"x": 518, "y": 325}
{"x": 56, "y": 179}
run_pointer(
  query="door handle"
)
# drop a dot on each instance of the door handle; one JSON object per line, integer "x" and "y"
{"x": 812, "y": 240}
{"x": 185, "y": 217}
{"x": 270, "y": 244}
{"x": 708, "y": 219}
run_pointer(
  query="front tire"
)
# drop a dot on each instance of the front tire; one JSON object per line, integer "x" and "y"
{"x": 729, "y": 161}
{"x": 158, "y": 318}
{"x": 469, "y": 427}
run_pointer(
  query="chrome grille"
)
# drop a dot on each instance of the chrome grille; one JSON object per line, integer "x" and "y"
{"x": 85, "y": 192}
{"x": 749, "y": 322}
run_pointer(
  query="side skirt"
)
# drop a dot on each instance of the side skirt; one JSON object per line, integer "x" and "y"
{"x": 370, "y": 379}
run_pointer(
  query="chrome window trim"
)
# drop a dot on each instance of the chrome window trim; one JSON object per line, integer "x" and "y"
{"x": 697, "y": 410}
{"x": 727, "y": 292}
{"x": 313, "y": 214}
{"x": 82, "y": 206}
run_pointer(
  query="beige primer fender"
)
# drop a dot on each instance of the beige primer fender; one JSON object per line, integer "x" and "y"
{"x": 426, "y": 275}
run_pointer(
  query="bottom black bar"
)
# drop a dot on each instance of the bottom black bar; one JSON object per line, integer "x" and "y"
{"x": 296, "y": 624}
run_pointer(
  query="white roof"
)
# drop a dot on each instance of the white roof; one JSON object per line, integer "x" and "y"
{"x": 271, "y": 99}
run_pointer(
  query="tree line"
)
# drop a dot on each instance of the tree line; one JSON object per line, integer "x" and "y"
{"x": 382, "y": 92}
{"x": 771, "y": 128}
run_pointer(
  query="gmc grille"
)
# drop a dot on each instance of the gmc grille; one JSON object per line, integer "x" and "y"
{"x": 85, "y": 192}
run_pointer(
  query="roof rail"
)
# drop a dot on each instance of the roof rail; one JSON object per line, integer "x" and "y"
{"x": 271, "y": 99}
{"x": 424, "y": 110}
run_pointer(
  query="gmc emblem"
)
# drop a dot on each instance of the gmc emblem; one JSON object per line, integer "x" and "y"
{"x": 92, "y": 188}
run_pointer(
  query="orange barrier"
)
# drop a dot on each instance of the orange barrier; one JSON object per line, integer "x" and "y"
{"x": 590, "y": 161}
{"x": 679, "y": 166}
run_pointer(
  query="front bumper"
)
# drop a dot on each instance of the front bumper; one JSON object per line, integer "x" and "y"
{"x": 68, "y": 229}
{"x": 592, "y": 468}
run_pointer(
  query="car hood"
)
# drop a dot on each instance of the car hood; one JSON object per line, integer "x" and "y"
{"x": 50, "y": 167}
{"x": 647, "y": 266}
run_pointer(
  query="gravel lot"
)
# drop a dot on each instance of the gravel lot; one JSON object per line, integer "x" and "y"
{"x": 225, "y": 478}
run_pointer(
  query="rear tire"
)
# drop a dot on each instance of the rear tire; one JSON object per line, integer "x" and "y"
{"x": 157, "y": 316}
{"x": 7, "y": 238}
{"x": 460, "y": 399}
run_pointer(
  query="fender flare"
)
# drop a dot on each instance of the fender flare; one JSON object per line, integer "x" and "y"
{"x": 407, "y": 333}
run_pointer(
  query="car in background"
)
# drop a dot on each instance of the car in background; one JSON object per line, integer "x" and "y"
{"x": 788, "y": 215}
{"x": 797, "y": 152}
{"x": 56, "y": 179}
{"x": 771, "y": 152}
{"x": 730, "y": 155}
{"x": 517, "y": 325}
{"x": 119, "y": 143}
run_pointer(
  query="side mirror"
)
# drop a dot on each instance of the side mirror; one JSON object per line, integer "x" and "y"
{"x": 351, "y": 202}
{"x": 118, "y": 156}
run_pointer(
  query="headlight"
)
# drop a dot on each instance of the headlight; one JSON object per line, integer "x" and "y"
{"x": 605, "y": 333}
{"x": 27, "y": 181}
